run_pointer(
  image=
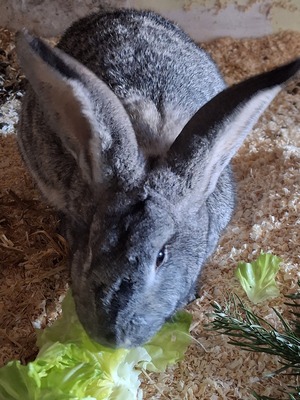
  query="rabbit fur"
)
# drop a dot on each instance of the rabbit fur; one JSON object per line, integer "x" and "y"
{"x": 128, "y": 129}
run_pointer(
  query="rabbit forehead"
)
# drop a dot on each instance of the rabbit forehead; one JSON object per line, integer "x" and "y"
{"x": 131, "y": 223}
{"x": 157, "y": 213}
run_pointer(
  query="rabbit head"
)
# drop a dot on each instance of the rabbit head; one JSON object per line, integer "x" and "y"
{"x": 140, "y": 227}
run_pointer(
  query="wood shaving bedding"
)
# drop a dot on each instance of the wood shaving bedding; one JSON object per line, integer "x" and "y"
{"x": 33, "y": 256}
{"x": 11, "y": 79}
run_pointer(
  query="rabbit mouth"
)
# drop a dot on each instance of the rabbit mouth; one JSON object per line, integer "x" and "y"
{"x": 136, "y": 332}
{"x": 128, "y": 334}
{"x": 116, "y": 326}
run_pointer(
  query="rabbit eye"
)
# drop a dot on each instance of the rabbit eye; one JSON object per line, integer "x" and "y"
{"x": 161, "y": 256}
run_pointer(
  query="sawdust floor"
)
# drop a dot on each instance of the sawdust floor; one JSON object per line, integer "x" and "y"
{"x": 34, "y": 261}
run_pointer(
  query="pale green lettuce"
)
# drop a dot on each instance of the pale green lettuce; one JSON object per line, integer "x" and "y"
{"x": 70, "y": 365}
{"x": 169, "y": 345}
{"x": 258, "y": 277}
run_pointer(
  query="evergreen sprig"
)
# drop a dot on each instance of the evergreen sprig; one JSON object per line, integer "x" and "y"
{"x": 253, "y": 333}
{"x": 295, "y": 304}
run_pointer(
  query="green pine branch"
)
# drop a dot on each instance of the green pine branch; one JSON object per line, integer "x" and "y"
{"x": 253, "y": 333}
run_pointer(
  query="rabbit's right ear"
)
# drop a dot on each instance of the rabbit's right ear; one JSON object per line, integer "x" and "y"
{"x": 88, "y": 117}
{"x": 214, "y": 134}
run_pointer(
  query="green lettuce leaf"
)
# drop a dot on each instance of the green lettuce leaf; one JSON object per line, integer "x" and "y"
{"x": 258, "y": 277}
{"x": 69, "y": 372}
{"x": 167, "y": 346}
{"x": 71, "y": 366}
{"x": 67, "y": 329}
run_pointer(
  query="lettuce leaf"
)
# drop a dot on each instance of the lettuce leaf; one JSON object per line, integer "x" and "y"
{"x": 258, "y": 277}
{"x": 167, "y": 346}
{"x": 69, "y": 372}
{"x": 71, "y": 366}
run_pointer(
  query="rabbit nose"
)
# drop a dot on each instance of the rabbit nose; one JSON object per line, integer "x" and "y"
{"x": 109, "y": 340}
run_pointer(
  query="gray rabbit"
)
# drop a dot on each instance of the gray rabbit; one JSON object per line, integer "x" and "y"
{"x": 128, "y": 129}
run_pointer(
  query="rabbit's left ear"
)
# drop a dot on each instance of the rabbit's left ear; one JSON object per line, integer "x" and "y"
{"x": 214, "y": 134}
{"x": 82, "y": 110}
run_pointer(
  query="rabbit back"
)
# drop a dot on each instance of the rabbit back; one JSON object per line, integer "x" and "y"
{"x": 160, "y": 75}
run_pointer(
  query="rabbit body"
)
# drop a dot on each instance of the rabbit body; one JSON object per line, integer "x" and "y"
{"x": 107, "y": 130}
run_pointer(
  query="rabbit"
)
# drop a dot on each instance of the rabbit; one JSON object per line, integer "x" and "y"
{"x": 128, "y": 128}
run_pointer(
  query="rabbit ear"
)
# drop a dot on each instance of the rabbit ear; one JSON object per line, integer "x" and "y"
{"x": 214, "y": 134}
{"x": 88, "y": 117}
